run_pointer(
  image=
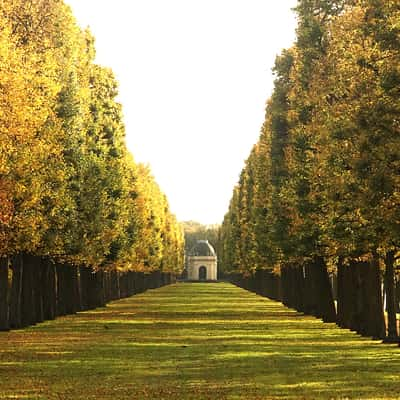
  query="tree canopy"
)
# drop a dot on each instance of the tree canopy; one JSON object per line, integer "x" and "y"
{"x": 69, "y": 188}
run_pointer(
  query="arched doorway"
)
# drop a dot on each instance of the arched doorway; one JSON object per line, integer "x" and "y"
{"x": 202, "y": 273}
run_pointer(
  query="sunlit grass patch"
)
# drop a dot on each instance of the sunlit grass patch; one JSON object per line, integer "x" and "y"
{"x": 195, "y": 341}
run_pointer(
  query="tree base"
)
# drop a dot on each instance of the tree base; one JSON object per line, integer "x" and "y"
{"x": 391, "y": 340}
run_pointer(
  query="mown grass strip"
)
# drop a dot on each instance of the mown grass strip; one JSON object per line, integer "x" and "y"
{"x": 194, "y": 341}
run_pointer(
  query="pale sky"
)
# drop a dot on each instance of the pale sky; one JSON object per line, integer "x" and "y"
{"x": 194, "y": 77}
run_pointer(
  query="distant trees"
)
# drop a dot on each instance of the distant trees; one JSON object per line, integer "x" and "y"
{"x": 194, "y": 231}
{"x": 80, "y": 222}
{"x": 318, "y": 198}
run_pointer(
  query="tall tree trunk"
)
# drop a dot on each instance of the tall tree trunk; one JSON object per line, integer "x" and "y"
{"x": 28, "y": 315}
{"x": 344, "y": 291}
{"x": 113, "y": 285}
{"x": 397, "y": 295}
{"x": 340, "y": 293}
{"x": 139, "y": 282}
{"x": 117, "y": 287}
{"x": 84, "y": 281}
{"x": 362, "y": 276}
{"x": 354, "y": 292}
{"x": 49, "y": 290}
{"x": 123, "y": 285}
{"x": 326, "y": 306}
{"x": 4, "y": 295}
{"x": 365, "y": 305}
{"x": 102, "y": 283}
{"x": 318, "y": 299}
{"x": 155, "y": 283}
{"x": 376, "y": 320}
{"x": 298, "y": 288}
{"x": 152, "y": 280}
{"x": 163, "y": 278}
{"x": 71, "y": 289}
{"x": 262, "y": 282}
{"x": 334, "y": 285}
{"x": 131, "y": 283}
{"x": 274, "y": 287}
{"x": 16, "y": 292}
{"x": 284, "y": 287}
{"x": 77, "y": 289}
{"x": 107, "y": 286}
{"x": 37, "y": 265}
{"x": 392, "y": 333}
{"x": 291, "y": 288}
{"x": 61, "y": 295}
{"x": 310, "y": 301}
{"x": 159, "y": 279}
{"x": 278, "y": 288}
{"x": 96, "y": 290}
{"x": 268, "y": 291}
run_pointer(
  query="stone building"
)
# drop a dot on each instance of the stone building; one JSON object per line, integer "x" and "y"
{"x": 202, "y": 262}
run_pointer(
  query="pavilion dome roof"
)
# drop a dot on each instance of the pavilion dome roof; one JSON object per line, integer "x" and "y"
{"x": 203, "y": 249}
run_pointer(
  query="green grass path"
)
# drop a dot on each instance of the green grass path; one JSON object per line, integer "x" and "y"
{"x": 194, "y": 341}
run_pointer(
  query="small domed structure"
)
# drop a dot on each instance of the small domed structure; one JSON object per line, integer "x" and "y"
{"x": 202, "y": 249}
{"x": 202, "y": 262}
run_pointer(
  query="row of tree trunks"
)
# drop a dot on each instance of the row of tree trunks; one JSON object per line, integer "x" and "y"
{"x": 293, "y": 283}
{"x": 296, "y": 287}
{"x": 305, "y": 288}
{"x": 322, "y": 290}
{"x": 34, "y": 289}
{"x": 263, "y": 282}
{"x": 356, "y": 287}
{"x": 308, "y": 289}
{"x": 360, "y": 305}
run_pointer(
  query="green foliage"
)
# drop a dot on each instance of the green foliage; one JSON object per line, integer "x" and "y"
{"x": 68, "y": 187}
{"x": 323, "y": 179}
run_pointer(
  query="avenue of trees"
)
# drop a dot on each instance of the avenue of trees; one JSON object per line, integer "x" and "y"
{"x": 80, "y": 222}
{"x": 315, "y": 216}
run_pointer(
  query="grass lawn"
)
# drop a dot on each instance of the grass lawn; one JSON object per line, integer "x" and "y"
{"x": 194, "y": 341}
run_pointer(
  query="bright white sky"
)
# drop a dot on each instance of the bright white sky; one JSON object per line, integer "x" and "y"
{"x": 194, "y": 77}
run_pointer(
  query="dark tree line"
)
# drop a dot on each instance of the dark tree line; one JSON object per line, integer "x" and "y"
{"x": 315, "y": 216}
{"x": 80, "y": 222}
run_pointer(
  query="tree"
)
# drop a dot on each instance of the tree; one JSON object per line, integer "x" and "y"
{"x": 75, "y": 208}
{"x": 321, "y": 185}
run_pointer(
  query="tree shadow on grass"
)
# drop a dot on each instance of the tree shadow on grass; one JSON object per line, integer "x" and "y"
{"x": 219, "y": 343}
